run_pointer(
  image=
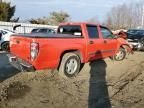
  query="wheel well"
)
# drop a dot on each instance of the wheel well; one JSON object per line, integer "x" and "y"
{"x": 71, "y": 51}
{"x": 4, "y": 42}
{"x": 125, "y": 47}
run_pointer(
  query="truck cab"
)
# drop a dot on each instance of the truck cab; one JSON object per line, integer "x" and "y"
{"x": 100, "y": 40}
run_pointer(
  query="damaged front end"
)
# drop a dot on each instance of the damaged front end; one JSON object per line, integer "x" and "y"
{"x": 128, "y": 48}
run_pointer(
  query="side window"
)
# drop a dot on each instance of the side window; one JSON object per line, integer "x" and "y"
{"x": 92, "y": 31}
{"x": 106, "y": 33}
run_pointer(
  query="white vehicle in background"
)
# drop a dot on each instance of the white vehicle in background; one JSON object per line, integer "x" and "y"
{"x": 5, "y": 38}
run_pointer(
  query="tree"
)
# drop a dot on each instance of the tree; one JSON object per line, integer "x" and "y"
{"x": 54, "y": 19}
{"x": 43, "y": 20}
{"x": 59, "y": 17}
{"x": 93, "y": 20}
{"x": 7, "y": 12}
{"x": 125, "y": 16}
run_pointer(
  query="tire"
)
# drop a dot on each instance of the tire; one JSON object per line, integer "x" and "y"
{"x": 70, "y": 65}
{"x": 5, "y": 46}
{"x": 120, "y": 55}
{"x": 141, "y": 46}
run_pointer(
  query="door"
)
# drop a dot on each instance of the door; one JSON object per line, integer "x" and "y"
{"x": 109, "y": 42}
{"x": 94, "y": 43}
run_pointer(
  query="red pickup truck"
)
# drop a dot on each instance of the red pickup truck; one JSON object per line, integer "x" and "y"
{"x": 73, "y": 45}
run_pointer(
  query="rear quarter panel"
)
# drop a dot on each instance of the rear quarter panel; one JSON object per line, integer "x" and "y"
{"x": 51, "y": 50}
{"x": 20, "y": 47}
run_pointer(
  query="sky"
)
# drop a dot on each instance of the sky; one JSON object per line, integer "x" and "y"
{"x": 79, "y": 10}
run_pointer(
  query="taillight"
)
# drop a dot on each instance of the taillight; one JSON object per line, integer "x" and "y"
{"x": 34, "y": 50}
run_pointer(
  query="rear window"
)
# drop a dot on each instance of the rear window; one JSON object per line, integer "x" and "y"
{"x": 70, "y": 29}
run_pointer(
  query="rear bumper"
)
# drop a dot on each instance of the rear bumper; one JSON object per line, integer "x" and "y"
{"x": 20, "y": 64}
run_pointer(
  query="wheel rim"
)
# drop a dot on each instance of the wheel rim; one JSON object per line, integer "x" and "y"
{"x": 119, "y": 55}
{"x": 71, "y": 66}
{"x": 142, "y": 41}
{"x": 141, "y": 46}
{"x": 5, "y": 47}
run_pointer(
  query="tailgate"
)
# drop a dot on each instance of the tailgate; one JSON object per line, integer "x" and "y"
{"x": 20, "y": 46}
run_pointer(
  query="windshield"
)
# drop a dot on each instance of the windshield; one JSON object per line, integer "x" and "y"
{"x": 9, "y": 30}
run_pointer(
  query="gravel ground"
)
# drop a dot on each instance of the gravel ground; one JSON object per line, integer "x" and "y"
{"x": 100, "y": 84}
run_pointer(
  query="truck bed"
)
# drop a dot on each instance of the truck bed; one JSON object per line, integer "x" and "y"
{"x": 42, "y": 35}
{"x": 50, "y": 47}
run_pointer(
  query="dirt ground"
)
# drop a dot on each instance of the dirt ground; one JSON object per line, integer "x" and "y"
{"x": 100, "y": 84}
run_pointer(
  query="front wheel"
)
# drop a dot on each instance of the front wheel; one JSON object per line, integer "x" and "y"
{"x": 120, "y": 55}
{"x": 5, "y": 46}
{"x": 70, "y": 65}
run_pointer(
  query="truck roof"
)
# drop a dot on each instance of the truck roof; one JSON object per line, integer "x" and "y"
{"x": 80, "y": 23}
{"x": 77, "y": 23}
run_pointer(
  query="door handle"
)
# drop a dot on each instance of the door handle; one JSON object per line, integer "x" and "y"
{"x": 105, "y": 41}
{"x": 17, "y": 41}
{"x": 91, "y": 42}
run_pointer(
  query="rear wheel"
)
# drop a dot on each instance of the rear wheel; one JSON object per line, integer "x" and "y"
{"x": 120, "y": 55}
{"x": 5, "y": 46}
{"x": 70, "y": 65}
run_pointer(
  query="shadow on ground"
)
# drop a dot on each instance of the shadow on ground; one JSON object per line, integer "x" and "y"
{"x": 6, "y": 70}
{"x": 98, "y": 90}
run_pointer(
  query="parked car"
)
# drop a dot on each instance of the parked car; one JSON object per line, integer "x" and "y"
{"x": 43, "y": 30}
{"x": 75, "y": 44}
{"x": 136, "y": 38}
{"x": 4, "y": 39}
